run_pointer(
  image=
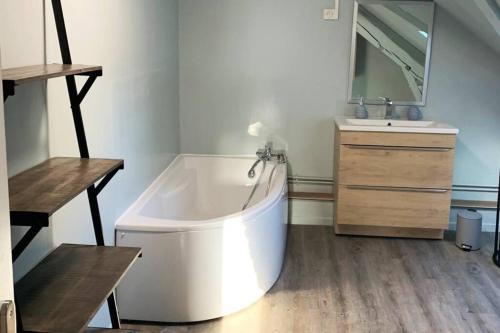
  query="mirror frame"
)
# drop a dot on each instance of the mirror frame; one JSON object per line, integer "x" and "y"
{"x": 352, "y": 60}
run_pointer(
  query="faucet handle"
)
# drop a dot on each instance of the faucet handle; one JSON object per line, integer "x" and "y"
{"x": 266, "y": 152}
{"x": 387, "y": 100}
{"x": 268, "y": 149}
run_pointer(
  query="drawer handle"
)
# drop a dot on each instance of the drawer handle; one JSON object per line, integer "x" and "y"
{"x": 437, "y": 149}
{"x": 396, "y": 189}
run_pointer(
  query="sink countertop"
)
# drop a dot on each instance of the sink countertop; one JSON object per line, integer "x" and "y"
{"x": 394, "y": 125}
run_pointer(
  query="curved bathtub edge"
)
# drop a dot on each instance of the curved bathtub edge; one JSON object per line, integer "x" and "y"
{"x": 149, "y": 190}
{"x": 126, "y": 221}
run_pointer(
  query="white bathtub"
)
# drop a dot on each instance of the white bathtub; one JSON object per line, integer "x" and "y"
{"x": 203, "y": 257}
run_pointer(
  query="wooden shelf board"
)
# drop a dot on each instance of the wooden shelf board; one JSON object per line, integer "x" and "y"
{"x": 311, "y": 196}
{"x": 65, "y": 290}
{"x": 37, "y": 193}
{"x": 474, "y": 204}
{"x": 21, "y": 75}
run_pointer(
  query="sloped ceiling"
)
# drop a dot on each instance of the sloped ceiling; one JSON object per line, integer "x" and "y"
{"x": 481, "y": 17}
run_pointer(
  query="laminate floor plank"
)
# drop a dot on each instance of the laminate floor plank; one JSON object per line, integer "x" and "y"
{"x": 366, "y": 284}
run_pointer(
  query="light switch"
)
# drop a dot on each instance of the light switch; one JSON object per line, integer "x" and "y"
{"x": 331, "y": 13}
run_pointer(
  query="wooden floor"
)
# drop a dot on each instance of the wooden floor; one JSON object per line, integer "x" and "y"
{"x": 361, "y": 284}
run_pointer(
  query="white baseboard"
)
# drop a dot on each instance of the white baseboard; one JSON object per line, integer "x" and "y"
{"x": 489, "y": 219}
{"x": 301, "y": 220}
{"x": 308, "y": 212}
{"x": 304, "y": 212}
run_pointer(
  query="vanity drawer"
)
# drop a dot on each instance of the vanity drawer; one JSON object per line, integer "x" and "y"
{"x": 429, "y": 167}
{"x": 398, "y": 139}
{"x": 392, "y": 207}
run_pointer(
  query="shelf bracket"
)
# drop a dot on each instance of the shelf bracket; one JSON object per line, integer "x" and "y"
{"x": 85, "y": 89}
{"x": 99, "y": 187}
{"x": 8, "y": 89}
{"x": 25, "y": 241}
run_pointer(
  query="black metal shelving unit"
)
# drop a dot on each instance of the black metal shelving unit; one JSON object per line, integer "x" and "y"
{"x": 37, "y": 193}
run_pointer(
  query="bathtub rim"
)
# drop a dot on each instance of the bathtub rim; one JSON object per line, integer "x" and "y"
{"x": 151, "y": 224}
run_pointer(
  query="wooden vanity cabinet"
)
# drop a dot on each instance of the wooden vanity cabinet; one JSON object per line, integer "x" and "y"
{"x": 393, "y": 184}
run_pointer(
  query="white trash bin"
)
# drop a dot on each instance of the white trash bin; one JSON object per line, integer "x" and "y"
{"x": 469, "y": 225}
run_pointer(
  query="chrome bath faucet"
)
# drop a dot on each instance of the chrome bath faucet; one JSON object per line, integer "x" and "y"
{"x": 265, "y": 155}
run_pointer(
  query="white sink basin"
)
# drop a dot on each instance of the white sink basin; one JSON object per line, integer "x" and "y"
{"x": 389, "y": 125}
{"x": 389, "y": 122}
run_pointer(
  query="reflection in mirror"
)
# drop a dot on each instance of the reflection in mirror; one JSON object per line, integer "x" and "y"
{"x": 390, "y": 51}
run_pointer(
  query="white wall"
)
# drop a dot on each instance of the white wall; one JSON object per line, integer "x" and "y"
{"x": 464, "y": 90}
{"x": 22, "y": 40}
{"x": 273, "y": 62}
{"x": 6, "y": 275}
{"x": 132, "y": 112}
{"x": 280, "y": 64}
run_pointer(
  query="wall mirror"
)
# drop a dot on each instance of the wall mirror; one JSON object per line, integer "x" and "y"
{"x": 390, "y": 51}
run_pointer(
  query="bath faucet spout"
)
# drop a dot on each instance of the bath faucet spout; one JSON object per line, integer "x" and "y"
{"x": 263, "y": 155}
{"x": 251, "y": 172}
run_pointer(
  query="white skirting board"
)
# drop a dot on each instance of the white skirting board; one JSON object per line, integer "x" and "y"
{"x": 310, "y": 212}
{"x": 489, "y": 219}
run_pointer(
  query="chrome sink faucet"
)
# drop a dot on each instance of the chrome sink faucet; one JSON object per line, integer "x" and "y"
{"x": 389, "y": 107}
